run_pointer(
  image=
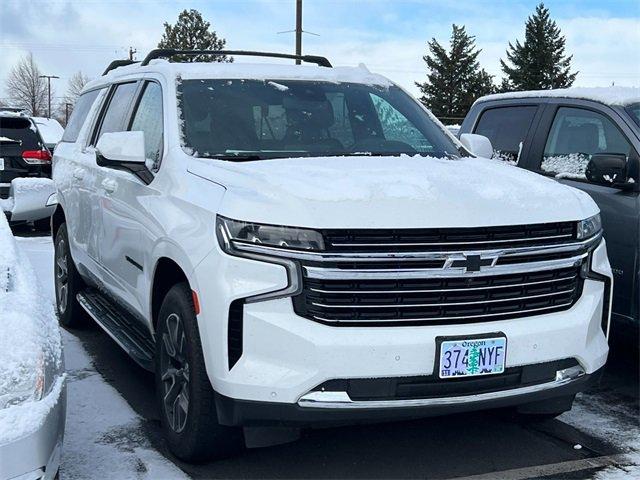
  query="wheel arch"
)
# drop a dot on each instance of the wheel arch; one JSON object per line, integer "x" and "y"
{"x": 167, "y": 273}
{"x": 57, "y": 219}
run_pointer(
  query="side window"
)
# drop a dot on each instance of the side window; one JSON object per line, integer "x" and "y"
{"x": 507, "y": 128}
{"x": 148, "y": 119}
{"x": 575, "y": 135}
{"x": 396, "y": 127}
{"x": 79, "y": 115}
{"x": 114, "y": 117}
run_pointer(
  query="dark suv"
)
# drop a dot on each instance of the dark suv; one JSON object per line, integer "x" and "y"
{"x": 26, "y": 189}
{"x": 586, "y": 138}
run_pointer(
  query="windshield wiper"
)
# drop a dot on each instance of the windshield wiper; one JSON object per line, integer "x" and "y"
{"x": 233, "y": 158}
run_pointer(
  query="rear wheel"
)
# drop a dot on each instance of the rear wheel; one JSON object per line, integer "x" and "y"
{"x": 185, "y": 396}
{"x": 67, "y": 283}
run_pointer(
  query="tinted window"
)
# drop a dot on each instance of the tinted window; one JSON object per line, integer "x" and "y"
{"x": 285, "y": 118}
{"x": 148, "y": 119}
{"x": 79, "y": 115}
{"x": 507, "y": 128}
{"x": 114, "y": 117}
{"x": 634, "y": 111}
{"x": 16, "y": 135}
{"x": 575, "y": 135}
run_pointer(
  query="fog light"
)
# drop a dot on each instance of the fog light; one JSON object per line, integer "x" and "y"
{"x": 570, "y": 373}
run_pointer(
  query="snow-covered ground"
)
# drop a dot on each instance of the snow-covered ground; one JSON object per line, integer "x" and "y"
{"x": 104, "y": 438}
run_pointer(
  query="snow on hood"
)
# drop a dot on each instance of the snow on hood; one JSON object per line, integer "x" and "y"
{"x": 29, "y": 340}
{"x": 391, "y": 192}
{"x": 606, "y": 95}
{"x": 50, "y": 129}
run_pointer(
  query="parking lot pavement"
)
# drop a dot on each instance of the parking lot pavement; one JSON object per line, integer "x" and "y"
{"x": 599, "y": 438}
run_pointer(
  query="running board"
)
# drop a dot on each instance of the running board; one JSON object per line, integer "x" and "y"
{"x": 124, "y": 328}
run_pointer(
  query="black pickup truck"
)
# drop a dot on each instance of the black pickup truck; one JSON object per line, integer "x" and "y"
{"x": 588, "y": 138}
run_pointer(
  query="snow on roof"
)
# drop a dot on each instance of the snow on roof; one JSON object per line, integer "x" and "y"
{"x": 30, "y": 342}
{"x": 49, "y": 128}
{"x": 248, "y": 71}
{"x": 606, "y": 95}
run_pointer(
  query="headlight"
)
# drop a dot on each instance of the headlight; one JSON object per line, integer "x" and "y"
{"x": 589, "y": 227}
{"x": 23, "y": 384}
{"x": 269, "y": 235}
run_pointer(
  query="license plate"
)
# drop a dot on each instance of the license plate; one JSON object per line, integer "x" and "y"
{"x": 1, "y": 163}
{"x": 472, "y": 357}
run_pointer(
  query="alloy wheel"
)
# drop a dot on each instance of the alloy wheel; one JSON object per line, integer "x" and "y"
{"x": 62, "y": 275}
{"x": 174, "y": 367}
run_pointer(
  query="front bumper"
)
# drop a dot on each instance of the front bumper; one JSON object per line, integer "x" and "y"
{"x": 29, "y": 199}
{"x": 335, "y": 408}
{"x": 36, "y": 455}
{"x": 285, "y": 357}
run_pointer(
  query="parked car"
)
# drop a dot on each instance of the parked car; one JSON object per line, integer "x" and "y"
{"x": 307, "y": 245}
{"x": 26, "y": 189}
{"x": 32, "y": 380}
{"x": 588, "y": 138}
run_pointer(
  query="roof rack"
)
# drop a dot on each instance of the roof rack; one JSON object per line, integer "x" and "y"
{"x": 118, "y": 63}
{"x": 170, "y": 52}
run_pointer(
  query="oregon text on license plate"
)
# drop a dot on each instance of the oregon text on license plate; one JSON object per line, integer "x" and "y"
{"x": 472, "y": 357}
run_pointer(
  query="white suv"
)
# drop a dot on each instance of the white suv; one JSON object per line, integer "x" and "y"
{"x": 306, "y": 245}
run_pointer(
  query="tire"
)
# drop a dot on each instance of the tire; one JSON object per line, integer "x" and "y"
{"x": 67, "y": 283}
{"x": 185, "y": 395}
{"x": 42, "y": 225}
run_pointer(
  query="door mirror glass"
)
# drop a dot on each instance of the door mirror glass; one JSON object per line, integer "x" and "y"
{"x": 607, "y": 169}
{"x": 119, "y": 149}
{"x": 479, "y": 145}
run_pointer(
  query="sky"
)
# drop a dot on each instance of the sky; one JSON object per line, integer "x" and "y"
{"x": 388, "y": 36}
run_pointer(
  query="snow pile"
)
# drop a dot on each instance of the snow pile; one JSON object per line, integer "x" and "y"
{"x": 572, "y": 165}
{"x": 49, "y": 128}
{"x": 606, "y": 95}
{"x": 30, "y": 345}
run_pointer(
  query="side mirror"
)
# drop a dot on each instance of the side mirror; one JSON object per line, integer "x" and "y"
{"x": 124, "y": 151}
{"x": 119, "y": 148}
{"x": 608, "y": 169}
{"x": 479, "y": 145}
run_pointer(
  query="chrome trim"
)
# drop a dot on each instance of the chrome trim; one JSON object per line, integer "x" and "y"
{"x": 441, "y": 304}
{"x": 374, "y": 274}
{"x": 313, "y": 256}
{"x": 333, "y": 400}
{"x": 438, "y": 290}
{"x": 426, "y": 244}
{"x": 438, "y": 319}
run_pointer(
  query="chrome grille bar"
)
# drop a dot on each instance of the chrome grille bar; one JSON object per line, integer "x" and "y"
{"x": 453, "y": 242}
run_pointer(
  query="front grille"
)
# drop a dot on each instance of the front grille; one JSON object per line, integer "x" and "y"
{"x": 438, "y": 300}
{"x": 437, "y": 239}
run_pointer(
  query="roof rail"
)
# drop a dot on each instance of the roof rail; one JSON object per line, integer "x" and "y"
{"x": 170, "y": 52}
{"x": 118, "y": 63}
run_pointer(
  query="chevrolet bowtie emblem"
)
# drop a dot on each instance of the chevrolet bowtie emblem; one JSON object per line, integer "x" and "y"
{"x": 471, "y": 263}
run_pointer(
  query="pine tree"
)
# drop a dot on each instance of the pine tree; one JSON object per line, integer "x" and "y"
{"x": 539, "y": 62}
{"x": 455, "y": 79}
{"x": 191, "y": 32}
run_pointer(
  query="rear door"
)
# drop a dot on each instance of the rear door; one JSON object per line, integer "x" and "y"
{"x": 568, "y": 134}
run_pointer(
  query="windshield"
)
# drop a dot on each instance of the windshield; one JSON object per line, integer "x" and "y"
{"x": 255, "y": 119}
{"x": 634, "y": 111}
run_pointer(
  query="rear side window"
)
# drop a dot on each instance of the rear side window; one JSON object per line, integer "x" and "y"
{"x": 507, "y": 128}
{"x": 114, "y": 117}
{"x": 79, "y": 115}
{"x": 575, "y": 135}
{"x": 148, "y": 119}
{"x": 18, "y": 134}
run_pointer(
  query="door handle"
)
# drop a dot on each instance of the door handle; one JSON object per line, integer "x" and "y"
{"x": 109, "y": 185}
{"x": 78, "y": 174}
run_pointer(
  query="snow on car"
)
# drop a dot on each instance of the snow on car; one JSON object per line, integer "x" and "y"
{"x": 32, "y": 382}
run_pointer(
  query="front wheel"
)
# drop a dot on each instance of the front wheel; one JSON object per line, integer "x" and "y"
{"x": 68, "y": 283}
{"x": 185, "y": 396}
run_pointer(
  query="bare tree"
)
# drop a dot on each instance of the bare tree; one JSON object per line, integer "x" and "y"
{"x": 74, "y": 87}
{"x": 25, "y": 88}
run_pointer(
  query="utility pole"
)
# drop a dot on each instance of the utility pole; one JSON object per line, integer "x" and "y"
{"x": 66, "y": 113}
{"x": 132, "y": 52}
{"x": 298, "y": 30}
{"x": 49, "y": 77}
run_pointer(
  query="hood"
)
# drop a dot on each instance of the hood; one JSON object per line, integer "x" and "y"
{"x": 391, "y": 192}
